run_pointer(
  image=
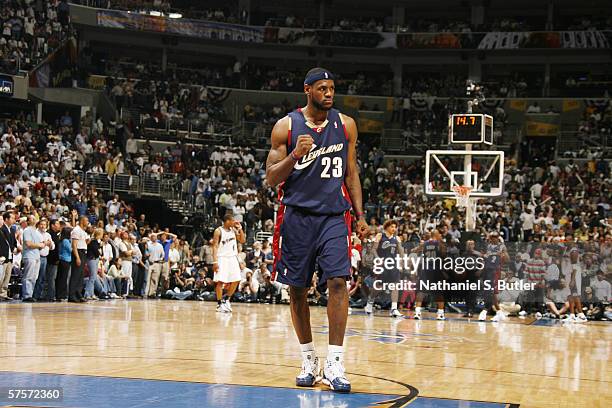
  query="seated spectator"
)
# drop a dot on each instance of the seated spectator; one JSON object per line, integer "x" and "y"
{"x": 601, "y": 288}
{"x": 557, "y": 298}
{"x": 182, "y": 284}
{"x": 248, "y": 286}
{"x": 121, "y": 279}
{"x": 509, "y": 299}
{"x": 593, "y": 307}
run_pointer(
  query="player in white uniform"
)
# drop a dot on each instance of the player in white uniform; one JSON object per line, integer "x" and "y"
{"x": 225, "y": 260}
{"x": 572, "y": 271}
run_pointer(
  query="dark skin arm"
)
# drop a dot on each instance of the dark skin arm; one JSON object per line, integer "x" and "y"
{"x": 279, "y": 164}
{"x": 353, "y": 184}
{"x": 240, "y": 235}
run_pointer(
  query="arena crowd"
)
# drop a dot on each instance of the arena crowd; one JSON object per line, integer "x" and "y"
{"x": 30, "y": 32}
{"x": 46, "y": 205}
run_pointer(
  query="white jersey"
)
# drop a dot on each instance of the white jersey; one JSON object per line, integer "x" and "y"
{"x": 227, "y": 243}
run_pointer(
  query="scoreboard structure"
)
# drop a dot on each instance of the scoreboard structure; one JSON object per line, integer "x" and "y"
{"x": 468, "y": 128}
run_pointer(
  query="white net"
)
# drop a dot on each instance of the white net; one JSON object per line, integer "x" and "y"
{"x": 462, "y": 195}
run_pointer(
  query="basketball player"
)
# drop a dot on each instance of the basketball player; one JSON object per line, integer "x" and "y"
{"x": 495, "y": 255}
{"x": 388, "y": 245}
{"x": 313, "y": 161}
{"x": 572, "y": 270}
{"x": 433, "y": 250}
{"x": 225, "y": 260}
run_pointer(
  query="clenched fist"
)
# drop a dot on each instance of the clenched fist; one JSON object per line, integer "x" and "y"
{"x": 303, "y": 146}
{"x": 363, "y": 229}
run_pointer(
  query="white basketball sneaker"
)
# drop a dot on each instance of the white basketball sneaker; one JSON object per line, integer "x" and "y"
{"x": 483, "y": 315}
{"x": 395, "y": 313}
{"x": 581, "y": 318}
{"x": 569, "y": 319}
{"x": 499, "y": 316}
{"x": 369, "y": 309}
{"x": 333, "y": 375}
{"x": 228, "y": 306}
{"x": 310, "y": 374}
{"x": 222, "y": 307}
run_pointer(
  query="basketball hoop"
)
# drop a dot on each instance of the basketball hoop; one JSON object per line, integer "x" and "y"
{"x": 462, "y": 195}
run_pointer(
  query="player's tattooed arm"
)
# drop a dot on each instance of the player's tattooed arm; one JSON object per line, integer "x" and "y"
{"x": 279, "y": 164}
{"x": 215, "y": 248}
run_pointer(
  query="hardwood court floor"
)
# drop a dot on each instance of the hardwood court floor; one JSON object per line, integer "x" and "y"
{"x": 172, "y": 353}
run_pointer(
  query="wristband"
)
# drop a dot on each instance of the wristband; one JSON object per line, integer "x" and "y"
{"x": 358, "y": 214}
{"x": 214, "y": 262}
{"x": 293, "y": 156}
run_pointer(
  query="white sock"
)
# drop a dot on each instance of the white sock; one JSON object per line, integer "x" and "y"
{"x": 393, "y": 305}
{"x": 335, "y": 353}
{"x": 573, "y": 316}
{"x": 440, "y": 311}
{"x": 308, "y": 351}
{"x": 417, "y": 310}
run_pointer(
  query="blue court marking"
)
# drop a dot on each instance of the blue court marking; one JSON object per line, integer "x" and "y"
{"x": 422, "y": 402}
{"x": 93, "y": 392}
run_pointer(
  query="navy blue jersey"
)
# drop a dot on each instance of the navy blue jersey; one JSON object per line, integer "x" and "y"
{"x": 431, "y": 252}
{"x": 316, "y": 183}
{"x": 493, "y": 259}
{"x": 387, "y": 247}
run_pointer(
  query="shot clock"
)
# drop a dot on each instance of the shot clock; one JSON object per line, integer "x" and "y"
{"x": 467, "y": 128}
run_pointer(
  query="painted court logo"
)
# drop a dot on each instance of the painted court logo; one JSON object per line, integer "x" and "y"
{"x": 314, "y": 154}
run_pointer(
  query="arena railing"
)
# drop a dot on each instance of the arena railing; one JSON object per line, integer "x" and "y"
{"x": 126, "y": 183}
{"x": 101, "y": 181}
{"x": 163, "y": 185}
{"x": 151, "y": 184}
{"x": 188, "y": 129}
{"x": 575, "y": 144}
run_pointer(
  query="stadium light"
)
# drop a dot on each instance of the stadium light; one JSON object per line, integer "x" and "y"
{"x": 175, "y": 15}
{"x": 155, "y": 13}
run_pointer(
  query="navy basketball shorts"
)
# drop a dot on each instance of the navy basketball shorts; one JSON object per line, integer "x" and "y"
{"x": 305, "y": 242}
{"x": 427, "y": 278}
{"x": 391, "y": 276}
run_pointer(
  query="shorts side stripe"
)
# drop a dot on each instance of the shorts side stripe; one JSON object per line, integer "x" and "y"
{"x": 277, "y": 240}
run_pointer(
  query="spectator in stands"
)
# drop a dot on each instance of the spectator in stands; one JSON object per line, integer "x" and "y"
{"x": 601, "y": 288}
{"x": 535, "y": 274}
{"x": 32, "y": 244}
{"x": 53, "y": 259}
{"x": 556, "y": 298}
{"x": 65, "y": 261}
{"x": 94, "y": 253}
{"x": 79, "y": 238}
{"x": 41, "y": 281}
{"x": 156, "y": 259}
